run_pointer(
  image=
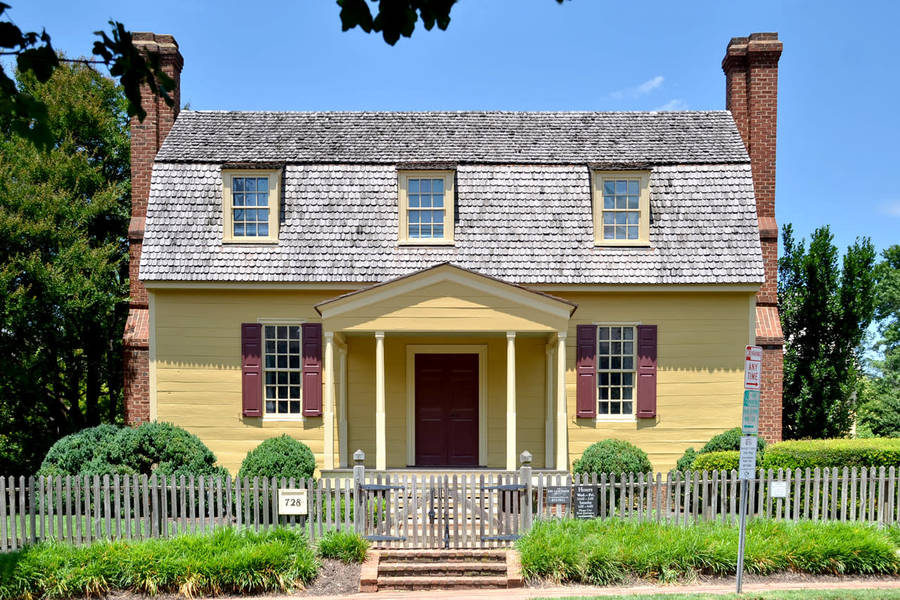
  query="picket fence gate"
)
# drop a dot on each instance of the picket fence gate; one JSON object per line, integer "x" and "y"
{"x": 461, "y": 510}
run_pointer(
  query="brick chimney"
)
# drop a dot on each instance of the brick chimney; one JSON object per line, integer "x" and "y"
{"x": 146, "y": 138}
{"x": 751, "y": 94}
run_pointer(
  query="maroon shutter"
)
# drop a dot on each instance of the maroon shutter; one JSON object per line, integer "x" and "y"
{"x": 312, "y": 369}
{"x": 251, "y": 369}
{"x": 586, "y": 371}
{"x": 646, "y": 371}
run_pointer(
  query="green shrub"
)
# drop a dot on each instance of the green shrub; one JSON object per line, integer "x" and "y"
{"x": 730, "y": 440}
{"x": 347, "y": 546}
{"x": 716, "y": 461}
{"x": 159, "y": 448}
{"x": 603, "y": 552}
{"x": 800, "y": 454}
{"x": 685, "y": 463}
{"x": 225, "y": 562}
{"x": 281, "y": 456}
{"x": 613, "y": 456}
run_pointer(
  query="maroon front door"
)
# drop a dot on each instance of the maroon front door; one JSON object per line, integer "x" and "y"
{"x": 446, "y": 410}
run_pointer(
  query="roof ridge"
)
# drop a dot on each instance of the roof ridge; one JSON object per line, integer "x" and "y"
{"x": 454, "y": 112}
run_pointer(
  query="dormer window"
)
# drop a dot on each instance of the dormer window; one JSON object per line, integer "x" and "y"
{"x": 251, "y": 206}
{"x": 622, "y": 208}
{"x": 426, "y": 207}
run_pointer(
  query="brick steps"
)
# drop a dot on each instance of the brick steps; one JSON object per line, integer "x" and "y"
{"x": 440, "y": 569}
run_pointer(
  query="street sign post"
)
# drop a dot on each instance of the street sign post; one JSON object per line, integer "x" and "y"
{"x": 750, "y": 429}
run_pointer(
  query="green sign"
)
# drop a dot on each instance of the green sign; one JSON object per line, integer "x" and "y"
{"x": 750, "y": 418}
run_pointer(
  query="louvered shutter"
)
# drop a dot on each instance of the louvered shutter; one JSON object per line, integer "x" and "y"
{"x": 251, "y": 369}
{"x": 586, "y": 371}
{"x": 312, "y": 369}
{"x": 646, "y": 371}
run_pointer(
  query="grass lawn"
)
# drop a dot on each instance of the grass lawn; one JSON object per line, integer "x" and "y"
{"x": 789, "y": 595}
{"x": 607, "y": 552}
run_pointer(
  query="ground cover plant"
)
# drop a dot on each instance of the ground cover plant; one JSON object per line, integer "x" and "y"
{"x": 603, "y": 552}
{"x": 225, "y": 562}
{"x": 347, "y": 546}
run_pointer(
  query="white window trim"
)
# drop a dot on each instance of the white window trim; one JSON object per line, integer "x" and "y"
{"x": 274, "y": 176}
{"x": 632, "y": 418}
{"x": 276, "y": 417}
{"x": 643, "y": 206}
{"x": 403, "y": 207}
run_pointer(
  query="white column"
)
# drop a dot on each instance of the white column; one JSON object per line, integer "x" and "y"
{"x": 510, "y": 400}
{"x": 380, "y": 425}
{"x": 549, "y": 448}
{"x": 562, "y": 420}
{"x": 328, "y": 412}
{"x": 342, "y": 407}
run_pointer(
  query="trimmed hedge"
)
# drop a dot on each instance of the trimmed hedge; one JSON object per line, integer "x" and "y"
{"x": 613, "y": 456}
{"x": 800, "y": 454}
{"x": 160, "y": 448}
{"x": 717, "y": 461}
{"x": 281, "y": 456}
{"x": 730, "y": 440}
{"x": 686, "y": 462}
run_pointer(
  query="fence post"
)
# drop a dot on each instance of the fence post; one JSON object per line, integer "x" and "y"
{"x": 359, "y": 475}
{"x": 525, "y": 478}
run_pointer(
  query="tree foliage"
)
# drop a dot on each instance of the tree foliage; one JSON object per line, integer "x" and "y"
{"x": 880, "y": 415}
{"x": 26, "y": 114}
{"x": 63, "y": 264}
{"x": 825, "y": 310}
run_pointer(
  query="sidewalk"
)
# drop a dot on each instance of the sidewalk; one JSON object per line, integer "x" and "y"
{"x": 570, "y": 591}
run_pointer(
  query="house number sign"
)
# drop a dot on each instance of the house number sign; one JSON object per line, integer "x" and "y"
{"x": 293, "y": 502}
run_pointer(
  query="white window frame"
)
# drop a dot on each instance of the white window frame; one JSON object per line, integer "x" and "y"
{"x": 630, "y": 418}
{"x": 403, "y": 178}
{"x": 598, "y": 178}
{"x": 282, "y": 417}
{"x": 274, "y": 176}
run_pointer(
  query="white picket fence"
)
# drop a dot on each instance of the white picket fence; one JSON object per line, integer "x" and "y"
{"x": 462, "y": 510}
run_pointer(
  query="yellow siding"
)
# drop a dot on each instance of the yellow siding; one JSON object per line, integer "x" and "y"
{"x": 198, "y": 365}
{"x": 700, "y": 368}
{"x": 701, "y": 340}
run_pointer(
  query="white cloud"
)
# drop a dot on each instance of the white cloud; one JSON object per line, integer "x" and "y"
{"x": 641, "y": 89}
{"x": 673, "y": 104}
{"x": 891, "y": 208}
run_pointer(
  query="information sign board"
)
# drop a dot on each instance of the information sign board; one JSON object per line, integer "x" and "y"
{"x": 748, "y": 457}
{"x": 585, "y": 502}
{"x": 778, "y": 489}
{"x": 559, "y": 495}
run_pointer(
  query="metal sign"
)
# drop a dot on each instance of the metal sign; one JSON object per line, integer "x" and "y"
{"x": 293, "y": 502}
{"x": 748, "y": 457}
{"x": 752, "y": 368}
{"x": 559, "y": 495}
{"x": 750, "y": 414}
{"x": 585, "y": 502}
{"x": 778, "y": 489}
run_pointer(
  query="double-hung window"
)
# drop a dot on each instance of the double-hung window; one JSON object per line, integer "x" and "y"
{"x": 622, "y": 208}
{"x": 283, "y": 370}
{"x": 426, "y": 207}
{"x": 250, "y": 205}
{"x": 616, "y": 358}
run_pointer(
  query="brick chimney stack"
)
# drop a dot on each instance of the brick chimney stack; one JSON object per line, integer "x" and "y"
{"x": 146, "y": 138}
{"x": 751, "y": 94}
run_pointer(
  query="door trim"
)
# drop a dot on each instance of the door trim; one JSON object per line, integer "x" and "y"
{"x": 411, "y": 351}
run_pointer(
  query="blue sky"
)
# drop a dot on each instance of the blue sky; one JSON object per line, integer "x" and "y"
{"x": 839, "y": 123}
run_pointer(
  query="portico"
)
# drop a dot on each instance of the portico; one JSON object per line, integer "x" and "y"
{"x": 445, "y": 368}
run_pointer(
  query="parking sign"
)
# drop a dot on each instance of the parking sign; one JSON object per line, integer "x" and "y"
{"x": 752, "y": 368}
